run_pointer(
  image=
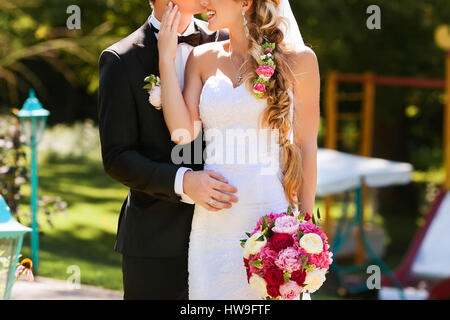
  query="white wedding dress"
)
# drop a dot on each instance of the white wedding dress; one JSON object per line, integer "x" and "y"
{"x": 216, "y": 268}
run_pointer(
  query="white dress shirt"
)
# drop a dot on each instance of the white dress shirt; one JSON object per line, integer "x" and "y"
{"x": 183, "y": 52}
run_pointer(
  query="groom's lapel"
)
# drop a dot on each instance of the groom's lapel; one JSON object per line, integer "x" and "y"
{"x": 147, "y": 50}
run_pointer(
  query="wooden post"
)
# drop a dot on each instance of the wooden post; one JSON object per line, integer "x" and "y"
{"x": 367, "y": 115}
{"x": 331, "y": 134}
{"x": 447, "y": 122}
{"x": 331, "y": 110}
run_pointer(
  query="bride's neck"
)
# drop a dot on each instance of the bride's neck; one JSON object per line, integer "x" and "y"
{"x": 238, "y": 42}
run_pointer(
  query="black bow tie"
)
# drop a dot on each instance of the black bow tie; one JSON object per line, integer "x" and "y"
{"x": 192, "y": 39}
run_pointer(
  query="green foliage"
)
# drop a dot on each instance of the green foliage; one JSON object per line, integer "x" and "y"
{"x": 14, "y": 173}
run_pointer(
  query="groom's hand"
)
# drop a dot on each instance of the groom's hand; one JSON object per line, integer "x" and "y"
{"x": 209, "y": 189}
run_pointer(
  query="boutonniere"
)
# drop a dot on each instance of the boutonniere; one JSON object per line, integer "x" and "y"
{"x": 153, "y": 88}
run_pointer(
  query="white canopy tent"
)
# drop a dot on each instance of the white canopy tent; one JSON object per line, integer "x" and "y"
{"x": 338, "y": 172}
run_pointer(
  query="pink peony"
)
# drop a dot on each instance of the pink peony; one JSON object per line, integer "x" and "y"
{"x": 270, "y": 217}
{"x": 288, "y": 260}
{"x": 286, "y": 224}
{"x": 290, "y": 290}
{"x": 309, "y": 228}
{"x": 268, "y": 50}
{"x": 265, "y": 71}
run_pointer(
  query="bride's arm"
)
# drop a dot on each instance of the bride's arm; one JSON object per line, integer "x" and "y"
{"x": 306, "y": 122}
{"x": 180, "y": 112}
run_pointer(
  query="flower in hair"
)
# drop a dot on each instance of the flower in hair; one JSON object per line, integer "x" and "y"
{"x": 266, "y": 69}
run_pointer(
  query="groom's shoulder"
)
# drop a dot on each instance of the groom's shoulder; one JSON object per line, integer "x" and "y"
{"x": 126, "y": 45}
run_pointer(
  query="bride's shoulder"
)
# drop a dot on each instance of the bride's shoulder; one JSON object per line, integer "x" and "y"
{"x": 303, "y": 59}
{"x": 208, "y": 49}
{"x": 205, "y": 52}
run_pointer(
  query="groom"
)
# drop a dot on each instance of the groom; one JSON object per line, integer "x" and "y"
{"x": 155, "y": 219}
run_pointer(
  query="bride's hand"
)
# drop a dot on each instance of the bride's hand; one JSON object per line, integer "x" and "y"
{"x": 168, "y": 35}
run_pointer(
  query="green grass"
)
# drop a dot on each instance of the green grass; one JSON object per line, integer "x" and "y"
{"x": 85, "y": 235}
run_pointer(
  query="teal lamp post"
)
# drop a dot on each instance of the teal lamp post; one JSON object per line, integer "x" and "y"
{"x": 11, "y": 238}
{"x": 33, "y": 118}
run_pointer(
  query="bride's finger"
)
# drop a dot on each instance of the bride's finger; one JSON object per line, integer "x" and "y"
{"x": 176, "y": 23}
{"x": 172, "y": 17}
{"x": 164, "y": 19}
{"x": 166, "y": 15}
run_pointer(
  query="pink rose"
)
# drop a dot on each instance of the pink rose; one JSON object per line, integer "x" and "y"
{"x": 265, "y": 71}
{"x": 290, "y": 290}
{"x": 288, "y": 260}
{"x": 259, "y": 88}
{"x": 268, "y": 50}
{"x": 286, "y": 224}
{"x": 307, "y": 216}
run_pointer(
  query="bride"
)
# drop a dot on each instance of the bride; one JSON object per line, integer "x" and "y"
{"x": 219, "y": 94}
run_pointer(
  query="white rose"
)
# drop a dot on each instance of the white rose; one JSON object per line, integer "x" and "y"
{"x": 258, "y": 284}
{"x": 314, "y": 280}
{"x": 252, "y": 246}
{"x": 312, "y": 243}
{"x": 155, "y": 97}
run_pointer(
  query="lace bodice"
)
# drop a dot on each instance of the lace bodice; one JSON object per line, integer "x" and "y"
{"x": 232, "y": 123}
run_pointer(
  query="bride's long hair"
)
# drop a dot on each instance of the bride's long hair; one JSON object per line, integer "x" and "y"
{"x": 264, "y": 23}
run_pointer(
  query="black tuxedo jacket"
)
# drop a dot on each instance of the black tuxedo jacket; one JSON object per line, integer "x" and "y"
{"x": 136, "y": 148}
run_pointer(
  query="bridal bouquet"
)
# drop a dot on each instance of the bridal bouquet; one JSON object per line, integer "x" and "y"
{"x": 286, "y": 255}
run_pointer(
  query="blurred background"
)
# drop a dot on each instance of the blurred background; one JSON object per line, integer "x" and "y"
{"x": 80, "y": 205}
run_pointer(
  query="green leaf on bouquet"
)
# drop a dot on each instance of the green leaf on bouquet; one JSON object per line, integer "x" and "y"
{"x": 304, "y": 261}
{"x": 309, "y": 268}
{"x": 299, "y": 235}
{"x": 148, "y": 86}
{"x": 286, "y": 276}
{"x": 289, "y": 211}
{"x": 264, "y": 223}
{"x": 256, "y": 263}
{"x": 301, "y": 216}
{"x": 248, "y": 234}
{"x": 243, "y": 243}
{"x": 260, "y": 238}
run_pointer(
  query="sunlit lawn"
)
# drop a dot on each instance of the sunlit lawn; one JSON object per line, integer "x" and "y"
{"x": 85, "y": 236}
